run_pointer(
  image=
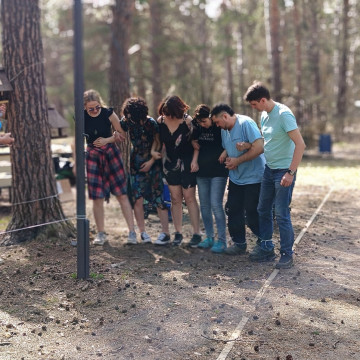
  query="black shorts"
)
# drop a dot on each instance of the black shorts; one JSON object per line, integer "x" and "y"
{"x": 184, "y": 178}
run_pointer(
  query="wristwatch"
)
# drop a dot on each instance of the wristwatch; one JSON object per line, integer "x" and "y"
{"x": 291, "y": 172}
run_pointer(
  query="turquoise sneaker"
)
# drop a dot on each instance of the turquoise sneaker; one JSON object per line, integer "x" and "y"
{"x": 219, "y": 247}
{"x": 206, "y": 243}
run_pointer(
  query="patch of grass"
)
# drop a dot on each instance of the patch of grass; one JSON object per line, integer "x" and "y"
{"x": 4, "y": 221}
{"x": 96, "y": 276}
{"x": 73, "y": 275}
{"x": 332, "y": 173}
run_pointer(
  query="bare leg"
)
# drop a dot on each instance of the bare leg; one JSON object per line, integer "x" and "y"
{"x": 139, "y": 214}
{"x": 98, "y": 210}
{"x": 126, "y": 210}
{"x": 176, "y": 206}
{"x": 164, "y": 220}
{"x": 193, "y": 208}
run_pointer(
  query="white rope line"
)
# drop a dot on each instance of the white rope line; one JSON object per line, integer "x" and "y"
{"x": 38, "y": 225}
{"x": 26, "y": 67}
{"x": 31, "y": 201}
{"x": 237, "y": 332}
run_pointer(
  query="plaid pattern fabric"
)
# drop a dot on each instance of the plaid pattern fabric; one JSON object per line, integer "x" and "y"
{"x": 105, "y": 172}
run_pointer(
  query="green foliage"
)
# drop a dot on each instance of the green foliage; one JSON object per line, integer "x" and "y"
{"x": 96, "y": 276}
{"x": 193, "y": 50}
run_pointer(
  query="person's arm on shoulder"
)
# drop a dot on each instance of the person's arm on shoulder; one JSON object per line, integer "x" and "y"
{"x": 256, "y": 149}
{"x": 300, "y": 146}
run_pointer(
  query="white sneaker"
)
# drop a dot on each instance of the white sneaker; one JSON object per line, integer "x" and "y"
{"x": 132, "y": 238}
{"x": 162, "y": 239}
{"x": 145, "y": 237}
{"x": 100, "y": 238}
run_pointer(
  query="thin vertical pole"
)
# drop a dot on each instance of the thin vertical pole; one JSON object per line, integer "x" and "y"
{"x": 82, "y": 222}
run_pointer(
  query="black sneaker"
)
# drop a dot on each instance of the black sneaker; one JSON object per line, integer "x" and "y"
{"x": 163, "y": 239}
{"x": 286, "y": 262}
{"x": 259, "y": 254}
{"x": 178, "y": 239}
{"x": 235, "y": 250}
{"x": 195, "y": 241}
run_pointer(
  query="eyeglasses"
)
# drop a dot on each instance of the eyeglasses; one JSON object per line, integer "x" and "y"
{"x": 96, "y": 108}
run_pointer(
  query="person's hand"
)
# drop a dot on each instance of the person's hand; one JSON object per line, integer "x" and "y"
{"x": 146, "y": 166}
{"x": 287, "y": 180}
{"x": 194, "y": 167}
{"x": 118, "y": 136}
{"x": 241, "y": 146}
{"x": 222, "y": 158}
{"x": 231, "y": 163}
{"x": 99, "y": 142}
{"x": 156, "y": 155}
{"x": 6, "y": 139}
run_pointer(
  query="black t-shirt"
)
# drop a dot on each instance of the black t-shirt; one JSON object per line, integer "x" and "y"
{"x": 210, "y": 150}
{"x": 99, "y": 126}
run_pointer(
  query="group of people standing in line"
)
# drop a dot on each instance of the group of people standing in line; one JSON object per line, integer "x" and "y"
{"x": 204, "y": 151}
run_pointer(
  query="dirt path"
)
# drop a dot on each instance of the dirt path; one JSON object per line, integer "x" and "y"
{"x": 147, "y": 302}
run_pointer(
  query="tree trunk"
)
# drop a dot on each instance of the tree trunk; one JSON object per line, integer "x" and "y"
{"x": 34, "y": 191}
{"x": 156, "y": 35}
{"x": 240, "y": 65}
{"x": 119, "y": 75}
{"x": 298, "y": 65}
{"x": 311, "y": 8}
{"x": 228, "y": 56}
{"x": 341, "y": 103}
{"x": 274, "y": 18}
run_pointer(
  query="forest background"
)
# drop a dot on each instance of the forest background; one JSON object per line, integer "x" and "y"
{"x": 307, "y": 51}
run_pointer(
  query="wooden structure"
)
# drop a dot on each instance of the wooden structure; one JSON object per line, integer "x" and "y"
{"x": 58, "y": 124}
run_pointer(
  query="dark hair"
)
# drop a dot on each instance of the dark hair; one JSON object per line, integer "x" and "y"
{"x": 202, "y": 111}
{"x": 173, "y": 106}
{"x": 135, "y": 109}
{"x": 221, "y": 107}
{"x": 256, "y": 92}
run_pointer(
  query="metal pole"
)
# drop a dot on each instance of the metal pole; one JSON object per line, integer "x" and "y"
{"x": 82, "y": 222}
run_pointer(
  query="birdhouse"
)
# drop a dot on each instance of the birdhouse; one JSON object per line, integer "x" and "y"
{"x": 58, "y": 124}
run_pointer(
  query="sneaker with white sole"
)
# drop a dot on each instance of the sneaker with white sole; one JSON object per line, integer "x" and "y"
{"x": 145, "y": 237}
{"x": 163, "y": 239}
{"x": 100, "y": 238}
{"x": 132, "y": 238}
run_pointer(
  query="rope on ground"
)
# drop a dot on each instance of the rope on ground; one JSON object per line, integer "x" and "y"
{"x": 237, "y": 332}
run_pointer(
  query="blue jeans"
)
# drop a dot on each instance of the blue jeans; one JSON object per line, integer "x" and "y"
{"x": 242, "y": 199}
{"x": 211, "y": 194}
{"x": 272, "y": 193}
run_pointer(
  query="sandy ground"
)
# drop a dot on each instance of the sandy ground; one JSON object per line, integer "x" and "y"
{"x": 151, "y": 302}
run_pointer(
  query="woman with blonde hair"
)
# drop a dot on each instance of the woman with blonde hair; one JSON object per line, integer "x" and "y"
{"x": 105, "y": 170}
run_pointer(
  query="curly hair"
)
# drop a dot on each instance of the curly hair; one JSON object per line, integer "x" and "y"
{"x": 135, "y": 109}
{"x": 202, "y": 111}
{"x": 173, "y": 106}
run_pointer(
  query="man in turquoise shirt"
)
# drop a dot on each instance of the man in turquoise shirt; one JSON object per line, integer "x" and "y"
{"x": 283, "y": 150}
{"x": 246, "y": 167}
